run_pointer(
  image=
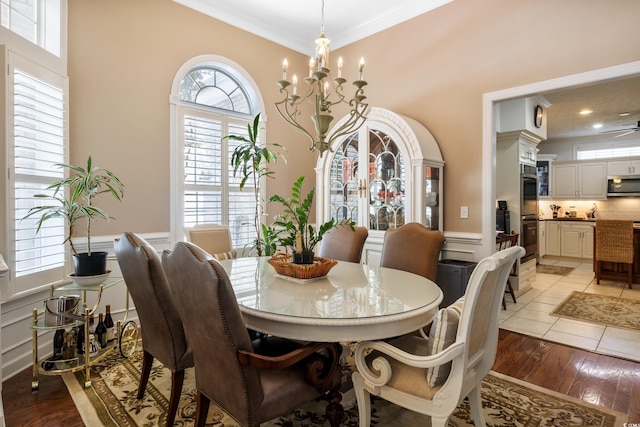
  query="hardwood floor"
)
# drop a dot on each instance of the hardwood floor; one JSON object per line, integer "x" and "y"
{"x": 602, "y": 380}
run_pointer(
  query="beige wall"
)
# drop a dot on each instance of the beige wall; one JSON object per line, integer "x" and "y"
{"x": 123, "y": 56}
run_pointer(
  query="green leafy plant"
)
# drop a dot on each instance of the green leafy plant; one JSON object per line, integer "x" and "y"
{"x": 73, "y": 199}
{"x": 295, "y": 219}
{"x": 250, "y": 160}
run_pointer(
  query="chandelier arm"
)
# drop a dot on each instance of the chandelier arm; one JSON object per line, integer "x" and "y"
{"x": 355, "y": 122}
{"x": 289, "y": 116}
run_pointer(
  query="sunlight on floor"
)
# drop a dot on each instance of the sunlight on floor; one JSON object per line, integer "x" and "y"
{"x": 531, "y": 315}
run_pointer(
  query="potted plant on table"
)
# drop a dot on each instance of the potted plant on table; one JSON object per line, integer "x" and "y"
{"x": 293, "y": 226}
{"x": 251, "y": 160}
{"x": 72, "y": 200}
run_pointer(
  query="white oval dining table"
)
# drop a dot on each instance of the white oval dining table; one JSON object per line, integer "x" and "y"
{"x": 354, "y": 302}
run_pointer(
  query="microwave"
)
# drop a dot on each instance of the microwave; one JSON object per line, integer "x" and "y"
{"x": 623, "y": 186}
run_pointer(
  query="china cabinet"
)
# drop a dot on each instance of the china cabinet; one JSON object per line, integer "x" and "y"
{"x": 386, "y": 174}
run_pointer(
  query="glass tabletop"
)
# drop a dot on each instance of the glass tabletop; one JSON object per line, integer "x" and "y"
{"x": 350, "y": 291}
{"x": 72, "y": 286}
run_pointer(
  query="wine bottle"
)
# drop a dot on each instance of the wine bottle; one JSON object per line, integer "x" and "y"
{"x": 101, "y": 331}
{"x": 80, "y": 340}
{"x": 108, "y": 322}
{"x": 92, "y": 326}
{"x": 58, "y": 343}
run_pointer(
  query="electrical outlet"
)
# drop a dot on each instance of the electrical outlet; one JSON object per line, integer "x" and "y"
{"x": 464, "y": 211}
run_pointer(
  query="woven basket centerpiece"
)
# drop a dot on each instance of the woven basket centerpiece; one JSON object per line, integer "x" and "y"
{"x": 282, "y": 265}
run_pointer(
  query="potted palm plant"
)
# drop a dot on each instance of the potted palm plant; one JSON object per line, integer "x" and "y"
{"x": 72, "y": 200}
{"x": 293, "y": 226}
{"x": 251, "y": 161}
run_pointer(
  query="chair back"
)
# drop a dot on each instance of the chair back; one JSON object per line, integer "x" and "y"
{"x": 213, "y": 238}
{"x": 614, "y": 240}
{"x": 413, "y": 248}
{"x": 215, "y": 329}
{"x": 506, "y": 241}
{"x": 478, "y": 326}
{"x": 343, "y": 244}
{"x": 141, "y": 268}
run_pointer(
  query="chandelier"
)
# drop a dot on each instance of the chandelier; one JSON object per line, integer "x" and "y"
{"x": 325, "y": 92}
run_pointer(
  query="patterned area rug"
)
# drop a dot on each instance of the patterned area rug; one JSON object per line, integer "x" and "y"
{"x": 507, "y": 402}
{"x": 601, "y": 309}
{"x": 553, "y": 269}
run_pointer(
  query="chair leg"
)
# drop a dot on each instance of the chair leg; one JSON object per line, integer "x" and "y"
{"x": 147, "y": 361}
{"x": 475, "y": 402}
{"x": 598, "y": 266}
{"x": 630, "y": 276}
{"x": 177, "y": 378}
{"x": 513, "y": 294}
{"x": 363, "y": 398}
{"x": 504, "y": 303}
{"x": 202, "y": 408}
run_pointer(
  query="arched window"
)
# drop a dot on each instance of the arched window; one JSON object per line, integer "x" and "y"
{"x": 211, "y": 98}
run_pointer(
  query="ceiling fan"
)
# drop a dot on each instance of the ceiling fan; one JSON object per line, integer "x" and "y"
{"x": 625, "y": 131}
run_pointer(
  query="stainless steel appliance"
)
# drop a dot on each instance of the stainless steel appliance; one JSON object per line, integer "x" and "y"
{"x": 623, "y": 186}
{"x": 503, "y": 221}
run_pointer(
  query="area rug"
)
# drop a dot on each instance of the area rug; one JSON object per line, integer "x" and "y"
{"x": 601, "y": 309}
{"x": 111, "y": 402}
{"x": 553, "y": 269}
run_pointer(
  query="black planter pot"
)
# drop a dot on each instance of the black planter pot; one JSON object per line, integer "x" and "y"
{"x": 90, "y": 265}
{"x": 302, "y": 258}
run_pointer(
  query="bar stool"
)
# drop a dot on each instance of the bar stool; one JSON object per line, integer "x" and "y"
{"x": 614, "y": 243}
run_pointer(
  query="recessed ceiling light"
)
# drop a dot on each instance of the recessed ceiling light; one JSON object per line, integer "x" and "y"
{"x": 585, "y": 112}
{"x": 624, "y": 114}
{"x": 597, "y": 126}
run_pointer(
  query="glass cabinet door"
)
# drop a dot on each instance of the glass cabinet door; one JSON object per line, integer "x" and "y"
{"x": 382, "y": 182}
{"x": 386, "y": 183}
{"x": 432, "y": 196}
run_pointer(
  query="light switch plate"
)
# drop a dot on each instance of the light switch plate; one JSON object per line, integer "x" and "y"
{"x": 464, "y": 211}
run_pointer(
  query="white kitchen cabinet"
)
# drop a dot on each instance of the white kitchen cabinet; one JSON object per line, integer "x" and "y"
{"x": 552, "y": 237}
{"x": 579, "y": 180}
{"x": 542, "y": 239}
{"x": 576, "y": 240}
{"x": 526, "y": 277}
{"x": 387, "y": 173}
{"x": 527, "y": 152}
{"x": 623, "y": 167}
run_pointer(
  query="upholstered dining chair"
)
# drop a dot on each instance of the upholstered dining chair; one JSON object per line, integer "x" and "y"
{"x": 432, "y": 376}
{"x": 614, "y": 243}
{"x": 413, "y": 248}
{"x": 163, "y": 337}
{"x": 343, "y": 244}
{"x": 251, "y": 381}
{"x": 213, "y": 238}
{"x": 506, "y": 241}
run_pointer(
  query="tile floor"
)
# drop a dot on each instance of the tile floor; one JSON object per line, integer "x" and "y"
{"x": 531, "y": 315}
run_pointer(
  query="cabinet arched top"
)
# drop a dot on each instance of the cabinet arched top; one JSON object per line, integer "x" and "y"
{"x": 414, "y": 136}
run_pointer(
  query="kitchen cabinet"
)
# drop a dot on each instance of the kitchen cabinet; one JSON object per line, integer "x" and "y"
{"x": 387, "y": 173}
{"x": 545, "y": 174}
{"x": 579, "y": 180}
{"x": 623, "y": 167}
{"x": 552, "y": 237}
{"x": 576, "y": 240}
{"x": 542, "y": 239}
{"x": 527, "y": 152}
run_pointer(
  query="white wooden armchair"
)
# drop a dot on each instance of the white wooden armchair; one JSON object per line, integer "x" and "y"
{"x": 433, "y": 376}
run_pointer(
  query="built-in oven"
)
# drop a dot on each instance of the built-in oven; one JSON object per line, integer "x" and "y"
{"x": 528, "y": 191}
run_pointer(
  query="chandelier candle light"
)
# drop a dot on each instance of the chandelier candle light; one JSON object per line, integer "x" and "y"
{"x": 328, "y": 92}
